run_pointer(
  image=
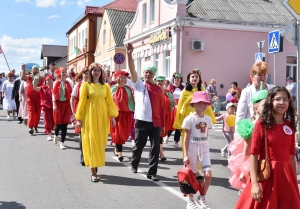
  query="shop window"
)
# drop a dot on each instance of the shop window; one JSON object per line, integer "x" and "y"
{"x": 167, "y": 63}
{"x": 104, "y": 36}
{"x": 152, "y": 10}
{"x": 291, "y": 67}
{"x": 144, "y": 13}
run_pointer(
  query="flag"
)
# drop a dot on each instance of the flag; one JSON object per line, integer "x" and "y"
{"x": 1, "y": 51}
{"x": 77, "y": 51}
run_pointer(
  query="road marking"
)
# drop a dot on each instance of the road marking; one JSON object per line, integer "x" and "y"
{"x": 159, "y": 183}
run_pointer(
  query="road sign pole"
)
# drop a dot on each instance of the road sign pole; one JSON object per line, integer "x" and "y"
{"x": 274, "y": 69}
{"x": 298, "y": 78}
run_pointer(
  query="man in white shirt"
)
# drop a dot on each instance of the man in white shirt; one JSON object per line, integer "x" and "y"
{"x": 149, "y": 115}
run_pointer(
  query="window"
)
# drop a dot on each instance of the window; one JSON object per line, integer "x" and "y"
{"x": 144, "y": 13}
{"x": 139, "y": 66}
{"x": 147, "y": 59}
{"x": 291, "y": 67}
{"x": 156, "y": 58}
{"x": 74, "y": 43}
{"x": 167, "y": 63}
{"x": 79, "y": 40}
{"x": 152, "y": 10}
{"x": 83, "y": 38}
{"x": 104, "y": 36}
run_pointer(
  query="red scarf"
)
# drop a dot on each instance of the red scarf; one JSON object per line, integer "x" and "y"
{"x": 156, "y": 100}
{"x": 57, "y": 90}
{"x": 171, "y": 88}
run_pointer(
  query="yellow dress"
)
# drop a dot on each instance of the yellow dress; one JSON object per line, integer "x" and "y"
{"x": 184, "y": 109}
{"x": 95, "y": 107}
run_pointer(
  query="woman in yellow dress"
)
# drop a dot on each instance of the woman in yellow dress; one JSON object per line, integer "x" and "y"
{"x": 95, "y": 107}
{"x": 184, "y": 109}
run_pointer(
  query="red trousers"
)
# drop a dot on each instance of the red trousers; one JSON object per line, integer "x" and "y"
{"x": 34, "y": 109}
{"x": 48, "y": 120}
{"x": 121, "y": 131}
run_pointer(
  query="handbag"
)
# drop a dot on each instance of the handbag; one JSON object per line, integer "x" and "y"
{"x": 263, "y": 165}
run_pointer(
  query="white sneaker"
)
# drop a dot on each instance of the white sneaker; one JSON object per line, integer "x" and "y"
{"x": 223, "y": 152}
{"x": 192, "y": 205}
{"x": 55, "y": 139}
{"x": 8, "y": 117}
{"x": 133, "y": 142}
{"x": 202, "y": 202}
{"x": 62, "y": 146}
{"x": 49, "y": 138}
{"x": 176, "y": 145}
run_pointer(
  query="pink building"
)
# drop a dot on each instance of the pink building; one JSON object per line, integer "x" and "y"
{"x": 219, "y": 37}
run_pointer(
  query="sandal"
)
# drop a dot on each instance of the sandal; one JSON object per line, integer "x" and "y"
{"x": 95, "y": 179}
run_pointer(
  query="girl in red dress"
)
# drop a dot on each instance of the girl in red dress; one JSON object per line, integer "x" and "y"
{"x": 121, "y": 125}
{"x": 61, "y": 105}
{"x": 46, "y": 102}
{"x": 280, "y": 190}
{"x": 169, "y": 105}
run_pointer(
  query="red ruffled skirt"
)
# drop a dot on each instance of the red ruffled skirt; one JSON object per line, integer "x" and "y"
{"x": 63, "y": 113}
{"x": 280, "y": 190}
{"x": 121, "y": 131}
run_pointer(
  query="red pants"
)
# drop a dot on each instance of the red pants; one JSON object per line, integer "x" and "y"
{"x": 48, "y": 120}
{"x": 121, "y": 131}
{"x": 34, "y": 109}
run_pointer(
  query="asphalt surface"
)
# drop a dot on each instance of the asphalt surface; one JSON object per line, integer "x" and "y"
{"x": 35, "y": 173}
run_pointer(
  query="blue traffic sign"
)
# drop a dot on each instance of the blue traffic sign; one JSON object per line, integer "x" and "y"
{"x": 119, "y": 58}
{"x": 274, "y": 41}
{"x": 258, "y": 57}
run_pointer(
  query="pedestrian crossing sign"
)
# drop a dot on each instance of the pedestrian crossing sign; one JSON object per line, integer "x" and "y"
{"x": 258, "y": 57}
{"x": 274, "y": 42}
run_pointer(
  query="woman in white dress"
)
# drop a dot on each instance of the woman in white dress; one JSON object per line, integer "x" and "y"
{"x": 9, "y": 104}
{"x": 23, "y": 104}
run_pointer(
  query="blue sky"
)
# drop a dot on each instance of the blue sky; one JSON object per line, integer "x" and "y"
{"x": 27, "y": 24}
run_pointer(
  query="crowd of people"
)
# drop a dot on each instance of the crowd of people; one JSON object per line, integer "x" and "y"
{"x": 98, "y": 104}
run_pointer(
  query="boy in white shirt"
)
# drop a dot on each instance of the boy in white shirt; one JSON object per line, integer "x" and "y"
{"x": 196, "y": 147}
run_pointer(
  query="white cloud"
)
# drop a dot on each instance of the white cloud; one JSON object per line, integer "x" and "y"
{"x": 53, "y": 17}
{"x": 82, "y": 3}
{"x": 45, "y": 3}
{"x": 65, "y": 2}
{"x": 24, "y": 50}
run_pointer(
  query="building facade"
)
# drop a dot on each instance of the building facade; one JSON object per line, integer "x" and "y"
{"x": 219, "y": 37}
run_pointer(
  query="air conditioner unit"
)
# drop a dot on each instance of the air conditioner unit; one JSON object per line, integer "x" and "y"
{"x": 197, "y": 45}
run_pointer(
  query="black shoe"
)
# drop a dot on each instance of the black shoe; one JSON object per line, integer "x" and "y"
{"x": 116, "y": 154}
{"x": 20, "y": 122}
{"x": 82, "y": 160}
{"x": 121, "y": 158}
{"x": 163, "y": 159}
{"x": 152, "y": 177}
{"x": 35, "y": 130}
{"x": 31, "y": 131}
{"x": 134, "y": 169}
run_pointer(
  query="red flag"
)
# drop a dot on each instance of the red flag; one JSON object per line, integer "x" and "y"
{"x": 1, "y": 51}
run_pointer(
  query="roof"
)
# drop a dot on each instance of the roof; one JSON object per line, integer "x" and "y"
{"x": 123, "y": 5}
{"x": 254, "y": 12}
{"x": 118, "y": 20}
{"x": 54, "y": 51}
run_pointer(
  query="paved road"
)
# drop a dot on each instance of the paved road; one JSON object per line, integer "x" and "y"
{"x": 35, "y": 173}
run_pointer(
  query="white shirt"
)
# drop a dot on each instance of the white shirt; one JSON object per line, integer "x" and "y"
{"x": 198, "y": 127}
{"x": 129, "y": 83}
{"x": 70, "y": 82}
{"x": 177, "y": 93}
{"x": 245, "y": 105}
{"x": 74, "y": 90}
{"x": 143, "y": 110}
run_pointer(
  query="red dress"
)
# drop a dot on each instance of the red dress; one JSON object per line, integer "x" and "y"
{"x": 168, "y": 107}
{"x": 280, "y": 190}
{"x": 47, "y": 107}
{"x": 63, "y": 113}
{"x": 121, "y": 131}
{"x": 33, "y": 103}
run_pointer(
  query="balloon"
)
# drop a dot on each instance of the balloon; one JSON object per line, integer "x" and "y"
{"x": 230, "y": 120}
{"x": 228, "y": 96}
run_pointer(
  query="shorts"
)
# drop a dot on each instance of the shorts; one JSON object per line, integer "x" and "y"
{"x": 199, "y": 153}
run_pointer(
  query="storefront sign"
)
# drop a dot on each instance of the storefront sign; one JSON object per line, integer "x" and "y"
{"x": 163, "y": 35}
